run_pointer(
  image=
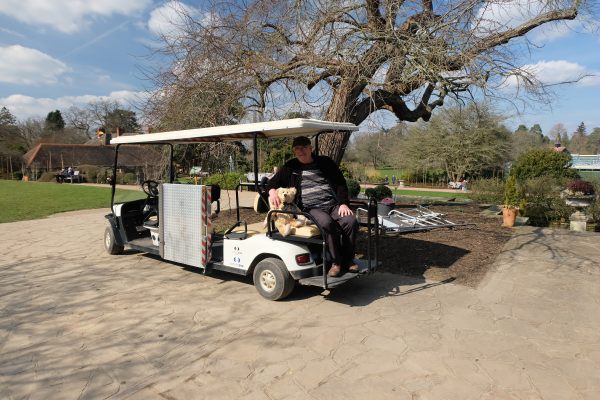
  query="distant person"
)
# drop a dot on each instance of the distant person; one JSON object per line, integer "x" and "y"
{"x": 60, "y": 176}
{"x": 70, "y": 171}
{"x": 394, "y": 180}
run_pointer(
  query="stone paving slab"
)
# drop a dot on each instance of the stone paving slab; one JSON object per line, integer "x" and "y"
{"x": 76, "y": 322}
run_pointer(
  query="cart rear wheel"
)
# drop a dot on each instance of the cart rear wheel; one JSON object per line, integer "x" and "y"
{"x": 110, "y": 243}
{"x": 272, "y": 279}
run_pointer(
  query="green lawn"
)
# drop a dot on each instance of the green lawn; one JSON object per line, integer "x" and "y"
{"x": 418, "y": 193}
{"x": 31, "y": 200}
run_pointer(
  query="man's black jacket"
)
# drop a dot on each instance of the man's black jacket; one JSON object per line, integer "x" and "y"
{"x": 290, "y": 175}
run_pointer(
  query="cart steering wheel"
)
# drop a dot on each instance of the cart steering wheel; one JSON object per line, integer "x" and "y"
{"x": 150, "y": 187}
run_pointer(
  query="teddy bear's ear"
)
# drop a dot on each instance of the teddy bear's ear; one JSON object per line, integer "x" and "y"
{"x": 293, "y": 191}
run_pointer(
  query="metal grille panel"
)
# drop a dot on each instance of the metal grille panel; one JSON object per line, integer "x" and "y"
{"x": 183, "y": 223}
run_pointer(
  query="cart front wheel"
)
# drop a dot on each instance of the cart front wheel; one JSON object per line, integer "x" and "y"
{"x": 272, "y": 279}
{"x": 110, "y": 243}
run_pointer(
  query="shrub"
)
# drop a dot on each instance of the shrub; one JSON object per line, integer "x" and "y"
{"x": 129, "y": 178}
{"x": 542, "y": 201}
{"x": 47, "y": 177}
{"x": 346, "y": 170}
{"x": 593, "y": 211}
{"x": 579, "y": 187}
{"x": 489, "y": 191}
{"x": 228, "y": 180}
{"x": 90, "y": 172}
{"x": 375, "y": 179}
{"x": 102, "y": 175}
{"x": 379, "y": 192}
{"x": 353, "y": 188}
{"x": 542, "y": 162}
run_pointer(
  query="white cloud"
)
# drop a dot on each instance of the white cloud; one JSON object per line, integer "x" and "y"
{"x": 67, "y": 16}
{"x": 169, "y": 19}
{"x": 494, "y": 16}
{"x": 556, "y": 72}
{"x": 23, "y": 107}
{"x": 22, "y": 65}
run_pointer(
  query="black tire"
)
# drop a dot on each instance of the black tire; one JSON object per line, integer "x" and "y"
{"x": 110, "y": 243}
{"x": 272, "y": 279}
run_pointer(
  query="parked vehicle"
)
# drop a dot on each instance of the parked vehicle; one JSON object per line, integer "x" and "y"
{"x": 174, "y": 221}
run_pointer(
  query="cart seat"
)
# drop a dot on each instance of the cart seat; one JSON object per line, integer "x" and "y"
{"x": 151, "y": 222}
{"x": 253, "y": 229}
{"x": 258, "y": 227}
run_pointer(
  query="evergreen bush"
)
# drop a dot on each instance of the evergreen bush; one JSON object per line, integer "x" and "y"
{"x": 511, "y": 194}
{"x": 542, "y": 162}
{"x": 379, "y": 192}
{"x": 353, "y": 188}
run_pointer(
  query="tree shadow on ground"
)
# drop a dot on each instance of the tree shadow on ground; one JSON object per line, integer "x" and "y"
{"x": 407, "y": 257}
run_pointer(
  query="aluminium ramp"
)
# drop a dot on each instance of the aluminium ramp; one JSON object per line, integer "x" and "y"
{"x": 412, "y": 220}
{"x": 184, "y": 224}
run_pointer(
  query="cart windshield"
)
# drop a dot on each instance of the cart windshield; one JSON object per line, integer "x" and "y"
{"x": 137, "y": 164}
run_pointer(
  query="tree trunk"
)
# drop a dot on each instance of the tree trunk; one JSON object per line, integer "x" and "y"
{"x": 334, "y": 144}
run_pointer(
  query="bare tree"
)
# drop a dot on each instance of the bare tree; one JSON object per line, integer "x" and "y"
{"x": 558, "y": 133}
{"x": 356, "y": 57}
{"x": 31, "y": 131}
{"x": 81, "y": 119}
{"x": 106, "y": 114}
{"x": 526, "y": 139}
{"x": 462, "y": 142}
{"x": 376, "y": 149}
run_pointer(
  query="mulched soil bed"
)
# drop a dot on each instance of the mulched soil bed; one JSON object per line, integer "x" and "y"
{"x": 462, "y": 254}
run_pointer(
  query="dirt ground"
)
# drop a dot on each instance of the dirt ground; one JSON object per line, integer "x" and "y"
{"x": 461, "y": 254}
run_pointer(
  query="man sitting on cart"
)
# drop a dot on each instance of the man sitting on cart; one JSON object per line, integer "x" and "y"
{"x": 321, "y": 192}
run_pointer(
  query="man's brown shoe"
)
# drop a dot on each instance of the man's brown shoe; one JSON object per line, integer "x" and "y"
{"x": 334, "y": 270}
{"x": 353, "y": 268}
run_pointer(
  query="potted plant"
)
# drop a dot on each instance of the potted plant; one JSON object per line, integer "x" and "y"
{"x": 510, "y": 208}
{"x": 381, "y": 193}
{"x": 578, "y": 193}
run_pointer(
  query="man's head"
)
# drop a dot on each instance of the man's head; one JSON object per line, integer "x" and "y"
{"x": 302, "y": 149}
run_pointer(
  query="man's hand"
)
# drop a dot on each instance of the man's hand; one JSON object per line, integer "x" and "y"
{"x": 273, "y": 199}
{"x": 344, "y": 210}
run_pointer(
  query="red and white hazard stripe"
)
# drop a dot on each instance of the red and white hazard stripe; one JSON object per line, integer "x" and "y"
{"x": 207, "y": 237}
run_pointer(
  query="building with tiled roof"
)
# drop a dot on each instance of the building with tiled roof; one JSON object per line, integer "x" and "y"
{"x": 54, "y": 156}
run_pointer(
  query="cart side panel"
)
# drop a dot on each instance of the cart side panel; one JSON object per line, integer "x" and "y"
{"x": 184, "y": 234}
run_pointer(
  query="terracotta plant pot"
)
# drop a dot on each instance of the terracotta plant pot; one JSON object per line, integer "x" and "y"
{"x": 509, "y": 216}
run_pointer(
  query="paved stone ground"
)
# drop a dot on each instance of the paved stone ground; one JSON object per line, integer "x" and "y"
{"x": 78, "y": 323}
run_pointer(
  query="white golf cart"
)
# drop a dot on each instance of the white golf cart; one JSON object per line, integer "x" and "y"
{"x": 174, "y": 221}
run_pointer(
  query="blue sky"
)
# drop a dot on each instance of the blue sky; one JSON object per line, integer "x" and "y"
{"x": 59, "y": 53}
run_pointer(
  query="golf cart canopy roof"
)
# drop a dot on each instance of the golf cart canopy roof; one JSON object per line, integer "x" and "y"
{"x": 283, "y": 128}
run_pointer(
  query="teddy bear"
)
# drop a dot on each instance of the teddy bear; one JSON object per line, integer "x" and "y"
{"x": 285, "y": 223}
